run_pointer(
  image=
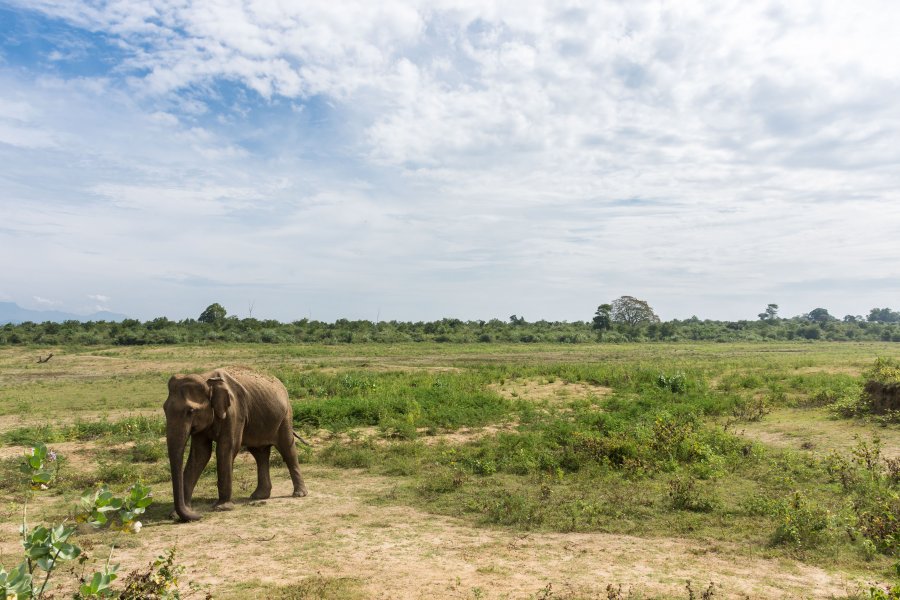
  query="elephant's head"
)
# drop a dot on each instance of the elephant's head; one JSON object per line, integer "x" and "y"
{"x": 194, "y": 404}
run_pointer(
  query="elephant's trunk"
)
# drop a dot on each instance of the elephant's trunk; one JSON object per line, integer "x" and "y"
{"x": 176, "y": 440}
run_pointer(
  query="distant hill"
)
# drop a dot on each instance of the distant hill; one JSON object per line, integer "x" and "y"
{"x": 10, "y": 312}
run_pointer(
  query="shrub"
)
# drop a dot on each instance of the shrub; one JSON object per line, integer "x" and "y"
{"x": 801, "y": 523}
{"x": 752, "y": 408}
{"x": 878, "y": 519}
{"x": 675, "y": 383}
{"x": 684, "y": 494}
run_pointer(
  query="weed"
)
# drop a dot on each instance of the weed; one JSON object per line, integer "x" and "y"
{"x": 685, "y": 494}
{"x": 146, "y": 451}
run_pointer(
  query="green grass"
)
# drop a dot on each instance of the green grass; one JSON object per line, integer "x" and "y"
{"x": 398, "y": 402}
{"x": 126, "y": 429}
{"x": 317, "y": 587}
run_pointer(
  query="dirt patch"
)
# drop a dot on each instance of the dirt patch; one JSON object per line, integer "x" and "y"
{"x": 814, "y": 430}
{"x": 556, "y": 392}
{"x": 401, "y": 552}
{"x": 466, "y": 434}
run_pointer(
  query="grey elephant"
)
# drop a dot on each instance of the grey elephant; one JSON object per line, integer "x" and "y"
{"x": 233, "y": 407}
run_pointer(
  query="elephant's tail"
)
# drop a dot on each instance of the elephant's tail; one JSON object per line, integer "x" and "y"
{"x": 302, "y": 441}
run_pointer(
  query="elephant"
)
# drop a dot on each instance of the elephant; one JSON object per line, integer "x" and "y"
{"x": 234, "y": 407}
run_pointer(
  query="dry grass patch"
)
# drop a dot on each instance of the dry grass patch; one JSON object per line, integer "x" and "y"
{"x": 552, "y": 392}
{"x": 816, "y": 431}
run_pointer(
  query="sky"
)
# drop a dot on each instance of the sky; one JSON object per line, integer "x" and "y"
{"x": 473, "y": 159}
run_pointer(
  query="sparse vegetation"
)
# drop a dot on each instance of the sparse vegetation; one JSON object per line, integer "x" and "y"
{"x": 624, "y": 440}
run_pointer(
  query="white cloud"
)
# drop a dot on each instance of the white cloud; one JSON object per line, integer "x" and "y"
{"x": 46, "y": 301}
{"x": 477, "y": 155}
{"x": 99, "y": 298}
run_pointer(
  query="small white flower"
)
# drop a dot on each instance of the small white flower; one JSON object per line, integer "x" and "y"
{"x": 136, "y": 526}
{"x": 44, "y": 486}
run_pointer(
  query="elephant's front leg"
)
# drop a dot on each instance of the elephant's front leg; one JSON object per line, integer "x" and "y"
{"x": 225, "y": 453}
{"x": 263, "y": 480}
{"x": 201, "y": 451}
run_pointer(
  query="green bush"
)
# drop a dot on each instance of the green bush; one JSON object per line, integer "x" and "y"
{"x": 800, "y": 522}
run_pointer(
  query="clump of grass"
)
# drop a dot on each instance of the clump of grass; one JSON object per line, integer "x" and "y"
{"x": 348, "y": 455}
{"x": 147, "y": 451}
{"x": 316, "y": 587}
{"x": 685, "y": 494}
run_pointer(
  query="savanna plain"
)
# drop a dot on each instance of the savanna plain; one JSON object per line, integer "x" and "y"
{"x": 489, "y": 470}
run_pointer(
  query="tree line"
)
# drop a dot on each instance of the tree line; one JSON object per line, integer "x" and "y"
{"x": 626, "y": 319}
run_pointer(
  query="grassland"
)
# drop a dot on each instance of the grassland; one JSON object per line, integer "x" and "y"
{"x": 495, "y": 471}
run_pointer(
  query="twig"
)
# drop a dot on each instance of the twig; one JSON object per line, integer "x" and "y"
{"x": 43, "y": 360}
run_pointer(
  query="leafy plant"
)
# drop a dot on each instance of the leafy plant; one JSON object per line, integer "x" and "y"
{"x": 102, "y": 508}
{"x": 45, "y": 547}
{"x": 675, "y": 383}
{"x": 801, "y": 523}
{"x": 35, "y": 467}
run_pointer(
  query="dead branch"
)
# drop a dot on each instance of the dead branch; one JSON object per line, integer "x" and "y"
{"x": 43, "y": 360}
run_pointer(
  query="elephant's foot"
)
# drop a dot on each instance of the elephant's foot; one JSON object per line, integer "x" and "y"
{"x": 176, "y": 517}
{"x": 223, "y": 506}
{"x": 261, "y": 494}
{"x": 300, "y": 493}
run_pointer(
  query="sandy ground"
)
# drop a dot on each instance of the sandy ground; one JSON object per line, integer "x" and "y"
{"x": 345, "y": 529}
{"x": 400, "y": 552}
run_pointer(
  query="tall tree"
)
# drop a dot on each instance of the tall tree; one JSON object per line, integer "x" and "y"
{"x": 603, "y": 317}
{"x": 214, "y": 313}
{"x": 819, "y": 315}
{"x": 770, "y": 314}
{"x": 883, "y": 315}
{"x": 631, "y": 311}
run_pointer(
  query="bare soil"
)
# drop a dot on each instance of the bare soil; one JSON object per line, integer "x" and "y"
{"x": 401, "y": 552}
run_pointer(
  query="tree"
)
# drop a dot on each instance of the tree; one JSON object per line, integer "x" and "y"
{"x": 603, "y": 317}
{"x": 214, "y": 313}
{"x": 770, "y": 314}
{"x": 819, "y": 315}
{"x": 883, "y": 315}
{"x": 631, "y": 311}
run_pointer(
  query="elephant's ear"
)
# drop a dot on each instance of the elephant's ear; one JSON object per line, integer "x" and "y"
{"x": 220, "y": 396}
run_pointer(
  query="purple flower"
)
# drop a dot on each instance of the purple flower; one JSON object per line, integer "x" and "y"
{"x": 51, "y": 456}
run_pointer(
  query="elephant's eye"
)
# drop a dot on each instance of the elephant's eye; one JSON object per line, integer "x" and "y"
{"x": 190, "y": 411}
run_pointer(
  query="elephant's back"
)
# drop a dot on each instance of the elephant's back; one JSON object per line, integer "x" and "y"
{"x": 258, "y": 383}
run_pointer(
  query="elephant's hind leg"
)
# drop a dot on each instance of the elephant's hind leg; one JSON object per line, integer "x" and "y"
{"x": 288, "y": 451}
{"x": 263, "y": 480}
